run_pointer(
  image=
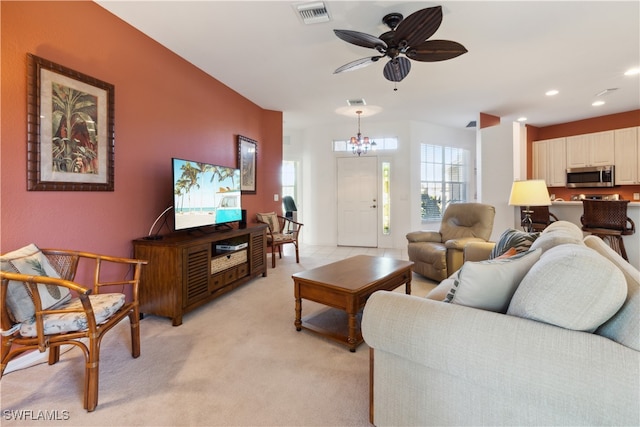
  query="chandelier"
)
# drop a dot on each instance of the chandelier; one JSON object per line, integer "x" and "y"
{"x": 360, "y": 144}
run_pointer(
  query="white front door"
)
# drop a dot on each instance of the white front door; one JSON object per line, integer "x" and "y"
{"x": 357, "y": 201}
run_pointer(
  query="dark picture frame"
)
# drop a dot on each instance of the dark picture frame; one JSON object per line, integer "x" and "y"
{"x": 247, "y": 163}
{"x": 70, "y": 129}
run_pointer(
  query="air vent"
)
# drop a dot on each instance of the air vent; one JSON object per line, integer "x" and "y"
{"x": 606, "y": 92}
{"x": 471, "y": 124}
{"x": 313, "y": 13}
{"x": 356, "y": 102}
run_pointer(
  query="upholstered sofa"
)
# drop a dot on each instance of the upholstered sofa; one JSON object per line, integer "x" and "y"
{"x": 556, "y": 342}
{"x": 437, "y": 254}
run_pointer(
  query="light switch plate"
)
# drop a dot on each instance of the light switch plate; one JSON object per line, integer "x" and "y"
{"x": 636, "y": 196}
{"x": 276, "y": 197}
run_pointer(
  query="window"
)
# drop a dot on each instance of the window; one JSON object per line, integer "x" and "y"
{"x": 381, "y": 144}
{"x": 444, "y": 175}
{"x": 289, "y": 179}
{"x": 386, "y": 198}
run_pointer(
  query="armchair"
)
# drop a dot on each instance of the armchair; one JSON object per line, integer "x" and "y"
{"x": 38, "y": 311}
{"x": 280, "y": 231}
{"x": 438, "y": 254}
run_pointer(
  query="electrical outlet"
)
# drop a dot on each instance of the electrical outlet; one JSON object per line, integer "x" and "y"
{"x": 552, "y": 196}
{"x": 636, "y": 196}
{"x": 276, "y": 197}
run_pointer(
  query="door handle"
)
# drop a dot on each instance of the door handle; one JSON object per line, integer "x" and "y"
{"x": 373, "y": 206}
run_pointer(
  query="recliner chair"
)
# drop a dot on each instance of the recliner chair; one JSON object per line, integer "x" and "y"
{"x": 438, "y": 254}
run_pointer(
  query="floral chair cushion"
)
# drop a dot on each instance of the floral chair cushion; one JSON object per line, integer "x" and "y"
{"x": 30, "y": 260}
{"x": 104, "y": 306}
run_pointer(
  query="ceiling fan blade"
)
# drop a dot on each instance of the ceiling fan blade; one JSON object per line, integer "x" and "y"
{"x": 436, "y": 50}
{"x": 357, "y": 64}
{"x": 361, "y": 39}
{"x": 418, "y": 27}
{"x": 397, "y": 69}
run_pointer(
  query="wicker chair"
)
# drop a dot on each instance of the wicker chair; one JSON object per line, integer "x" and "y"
{"x": 608, "y": 220}
{"x": 80, "y": 321}
{"x": 281, "y": 231}
{"x": 540, "y": 217}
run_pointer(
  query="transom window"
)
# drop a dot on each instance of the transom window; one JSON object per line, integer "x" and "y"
{"x": 381, "y": 144}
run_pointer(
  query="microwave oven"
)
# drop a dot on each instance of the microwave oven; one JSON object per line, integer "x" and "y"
{"x": 591, "y": 176}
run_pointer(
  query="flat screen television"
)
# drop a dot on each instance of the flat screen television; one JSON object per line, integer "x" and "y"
{"x": 204, "y": 194}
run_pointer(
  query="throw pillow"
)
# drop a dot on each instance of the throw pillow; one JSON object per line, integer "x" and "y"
{"x": 520, "y": 240}
{"x": 271, "y": 219}
{"x": 558, "y": 233}
{"x": 623, "y": 327}
{"x": 511, "y": 252}
{"x": 573, "y": 287}
{"x": 30, "y": 260}
{"x": 489, "y": 285}
{"x": 440, "y": 292}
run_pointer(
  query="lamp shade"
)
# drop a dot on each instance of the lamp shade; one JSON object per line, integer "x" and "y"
{"x": 532, "y": 192}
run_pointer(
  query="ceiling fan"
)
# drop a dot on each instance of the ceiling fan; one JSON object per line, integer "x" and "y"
{"x": 406, "y": 37}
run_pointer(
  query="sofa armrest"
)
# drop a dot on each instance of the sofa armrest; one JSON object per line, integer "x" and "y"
{"x": 424, "y": 236}
{"x": 505, "y": 354}
{"x": 478, "y": 251}
{"x": 460, "y": 243}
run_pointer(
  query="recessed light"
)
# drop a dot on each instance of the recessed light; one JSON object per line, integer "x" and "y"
{"x": 522, "y": 119}
{"x": 598, "y": 103}
{"x": 551, "y": 92}
{"x": 632, "y": 72}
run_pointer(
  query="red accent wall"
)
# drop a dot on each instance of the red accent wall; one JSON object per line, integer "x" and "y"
{"x": 488, "y": 120}
{"x": 596, "y": 124}
{"x": 164, "y": 107}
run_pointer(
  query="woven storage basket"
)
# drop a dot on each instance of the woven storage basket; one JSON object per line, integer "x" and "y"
{"x": 610, "y": 214}
{"x": 223, "y": 262}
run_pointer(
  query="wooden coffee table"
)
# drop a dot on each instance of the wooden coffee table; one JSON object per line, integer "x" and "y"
{"x": 346, "y": 285}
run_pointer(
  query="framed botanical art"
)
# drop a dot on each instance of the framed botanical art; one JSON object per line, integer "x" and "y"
{"x": 70, "y": 133}
{"x": 247, "y": 161}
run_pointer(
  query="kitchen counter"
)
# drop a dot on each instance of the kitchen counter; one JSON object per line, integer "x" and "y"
{"x": 572, "y": 211}
{"x": 631, "y": 204}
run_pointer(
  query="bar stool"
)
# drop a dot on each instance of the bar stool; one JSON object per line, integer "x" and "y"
{"x": 540, "y": 217}
{"x": 608, "y": 220}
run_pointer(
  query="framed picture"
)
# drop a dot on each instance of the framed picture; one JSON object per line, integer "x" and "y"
{"x": 247, "y": 156}
{"x": 70, "y": 133}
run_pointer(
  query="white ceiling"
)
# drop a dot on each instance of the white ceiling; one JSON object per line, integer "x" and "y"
{"x": 517, "y": 51}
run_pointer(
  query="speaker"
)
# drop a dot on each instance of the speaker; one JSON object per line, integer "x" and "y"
{"x": 243, "y": 221}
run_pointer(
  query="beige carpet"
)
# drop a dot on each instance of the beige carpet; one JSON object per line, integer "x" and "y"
{"x": 237, "y": 361}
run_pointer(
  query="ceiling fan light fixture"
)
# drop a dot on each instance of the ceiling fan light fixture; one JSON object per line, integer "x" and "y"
{"x": 407, "y": 36}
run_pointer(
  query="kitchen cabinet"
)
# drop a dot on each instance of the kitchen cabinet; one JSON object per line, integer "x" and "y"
{"x": 549, "y": 161}
{"x": 627, "y": 156}
{"x": 592, "y": 149}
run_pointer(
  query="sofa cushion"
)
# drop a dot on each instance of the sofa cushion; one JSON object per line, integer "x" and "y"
{"x": 571, "y": 286}
{"x": 624, "y": 326}
{"x": 30, "y": 260}
{"x": 520, "y": 240}
{"x": 104, "y": 306}
{"x": 439, "y": 293}
{"x": 489, "y": 285}
{"x": 558, "y": 233}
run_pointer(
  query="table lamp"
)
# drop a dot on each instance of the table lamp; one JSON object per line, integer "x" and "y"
{"x": 529, "y": 193}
